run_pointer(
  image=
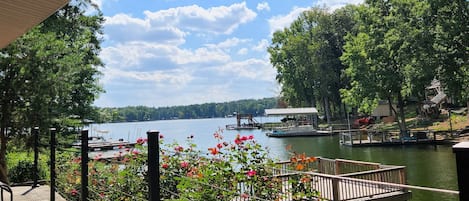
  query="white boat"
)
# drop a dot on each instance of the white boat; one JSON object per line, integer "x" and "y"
{"x": 306, "y": 130}
{"x": 98, "y": 142}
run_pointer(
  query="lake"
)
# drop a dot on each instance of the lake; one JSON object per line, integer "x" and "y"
{"x": 427, "y": 165}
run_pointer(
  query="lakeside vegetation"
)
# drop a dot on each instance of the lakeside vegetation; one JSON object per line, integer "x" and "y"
{"x": 196, "y": 111}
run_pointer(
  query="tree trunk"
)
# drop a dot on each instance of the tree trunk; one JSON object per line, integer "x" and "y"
{"x": 327, "y": 110}
{"x": 401, "y": 120}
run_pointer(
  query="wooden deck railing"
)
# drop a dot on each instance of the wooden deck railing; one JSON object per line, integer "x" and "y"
{"x": 339, "y": 179}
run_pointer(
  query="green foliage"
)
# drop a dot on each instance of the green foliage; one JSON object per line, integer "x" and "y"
{"x": 207, "y": 110}
{"x": 21, "y": 167}
{"x": 306, "y": 56}
{"x": 50, "y": 74}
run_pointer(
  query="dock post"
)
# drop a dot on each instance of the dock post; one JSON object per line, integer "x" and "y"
{"x": 153, "y": 166}
{"x": 53, "y": 143}
{"x": 84, "y": 165}
{"x": 36, "y": 156}
{"x": 462, "y": 165}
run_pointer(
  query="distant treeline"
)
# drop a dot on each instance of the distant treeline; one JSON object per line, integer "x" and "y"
{"x": 206, "y": 110}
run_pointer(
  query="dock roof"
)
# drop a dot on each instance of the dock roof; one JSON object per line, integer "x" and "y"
{"x": 291, "y": 111}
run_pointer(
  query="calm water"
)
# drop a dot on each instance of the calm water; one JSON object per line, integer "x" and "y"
{"x": 427, "y": 165}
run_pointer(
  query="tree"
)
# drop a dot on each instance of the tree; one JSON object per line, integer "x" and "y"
{"x": 306, "y": 56}
{"x": 49, "y": 73}
{"x": 451, "y": 31}
{"x": 387, "y": 58}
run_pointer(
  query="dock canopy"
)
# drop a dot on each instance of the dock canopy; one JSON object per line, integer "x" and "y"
{"x": 18, "y": 16}
{"x": 291, "y": 111}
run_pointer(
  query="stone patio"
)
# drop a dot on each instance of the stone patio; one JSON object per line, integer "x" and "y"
{"x": 26, "y": 193}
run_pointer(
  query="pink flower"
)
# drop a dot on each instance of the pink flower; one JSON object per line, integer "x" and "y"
{"x": 140, "y": 141}
{"x": 251, "y": 137}
{"x": 165, "y": 166}
{"x": 184, "y": 164}
{"x": 220, "y": 145}
{"x": 135, "y": 152}
{"x": 251, "y": 173}
{"x": 244, "y": 196}
{"x": 238, "y": 141}
{"x": 178, "y": 149}
{"x": 74, "y": 192}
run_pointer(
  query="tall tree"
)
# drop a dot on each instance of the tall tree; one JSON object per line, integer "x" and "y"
{"x": 306, "y": 56}
{"x": 386, "y": 59}
{"x": 50, "y": 73}
{"x": 451, "y": 31}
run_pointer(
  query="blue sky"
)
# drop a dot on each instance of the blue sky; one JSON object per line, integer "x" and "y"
{"x": 182, "y": 52}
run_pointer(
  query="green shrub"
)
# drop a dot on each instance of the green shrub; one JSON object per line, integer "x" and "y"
{"x": 21, "y": 167}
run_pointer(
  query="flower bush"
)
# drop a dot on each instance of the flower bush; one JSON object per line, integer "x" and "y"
{"x": 236, "y": 169}
{"x": 227, "y": 170}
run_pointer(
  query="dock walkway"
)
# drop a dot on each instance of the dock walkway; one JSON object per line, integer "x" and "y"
{"x": 27, "y": 193}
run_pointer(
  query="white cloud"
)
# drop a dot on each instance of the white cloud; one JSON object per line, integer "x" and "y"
{"x": 124, "y": 28}
{"x": 336, "y": 4}
{"x": 242, "y": 51}
{"x": 281, "y": 21}
{"x": 254, "y": 69}
{"x": 175, "y": 77}
{"x": 261, "y": 46}
{"x": 216, "y": 20}
{"x": 228, "y": 43}
{"x": 133, "y": 54}
{"x": 263, "y": 6}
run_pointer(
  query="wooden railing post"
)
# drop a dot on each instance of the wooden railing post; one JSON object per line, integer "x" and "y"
{"x": 462, "y": 165}
{"x": 337, "y": 167}
{"x": 335, "y": 189}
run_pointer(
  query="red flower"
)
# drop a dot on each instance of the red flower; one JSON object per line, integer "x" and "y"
{"x": 213, "y": 151}
{"x": 165, "y": 166}
{"x": 220, "y": 145}
{"x": 74, "y": 192}
{"x": 161, "y": 136}
{"x": 244, "y": 138}
{"x": 251, "y": 137}
{"x": 251, "y": 173}
{"x": 238, "y": 141}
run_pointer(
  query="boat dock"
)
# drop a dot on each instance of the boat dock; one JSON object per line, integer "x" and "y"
{"x": 384, "y": 138}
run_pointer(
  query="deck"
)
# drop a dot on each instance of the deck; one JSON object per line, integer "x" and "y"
{"x": 378, "y": 138}
{"x": 336, "y": 180}
{"x": 26, "y": 193}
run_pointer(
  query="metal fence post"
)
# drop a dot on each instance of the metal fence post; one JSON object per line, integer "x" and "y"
{"x": 36, "y": 156}
{"x": 153, "y": 166}
{"x": 462, "y": 165}
{"x": 84, "y": 165}
{"x": 53, "y": 144}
